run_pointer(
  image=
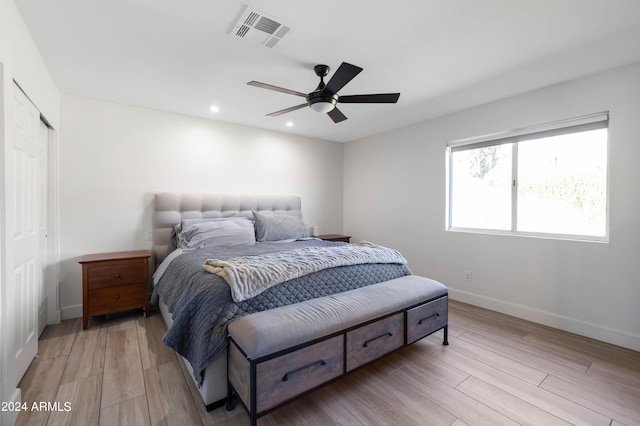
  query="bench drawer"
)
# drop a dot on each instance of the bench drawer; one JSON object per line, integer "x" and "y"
{"x": 371, "y": 341}
{"x": 289, "y": 375}
{"x": 425, "y": 319}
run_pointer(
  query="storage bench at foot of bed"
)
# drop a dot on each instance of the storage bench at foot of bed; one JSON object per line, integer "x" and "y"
{"x": 277, "y": 355}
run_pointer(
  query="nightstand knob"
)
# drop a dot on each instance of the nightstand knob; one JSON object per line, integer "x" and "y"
{"x": 117, "y": 296}
{"x": 118, "y": 275}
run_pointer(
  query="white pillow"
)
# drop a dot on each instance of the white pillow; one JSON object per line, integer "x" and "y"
{"x": 198, "y": 233}
{"x": 272, "y": 226}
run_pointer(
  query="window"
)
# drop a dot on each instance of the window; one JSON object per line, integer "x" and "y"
{"x": 549, "y": 180}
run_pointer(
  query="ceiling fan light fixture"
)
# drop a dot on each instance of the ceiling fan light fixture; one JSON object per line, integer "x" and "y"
{"x": 320, "y": 101}
{"x": 323, "y": 106}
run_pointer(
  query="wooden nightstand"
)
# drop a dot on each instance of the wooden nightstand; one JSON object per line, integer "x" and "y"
{"x": 113, "y": 282}
{"x": 335, "y": 237}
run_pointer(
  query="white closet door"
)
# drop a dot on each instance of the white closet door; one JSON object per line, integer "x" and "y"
{"x": 23, "y": 211}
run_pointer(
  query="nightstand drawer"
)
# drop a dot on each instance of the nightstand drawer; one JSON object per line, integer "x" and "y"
{"x": 117, "y": 272}
{"x": 119, "y": 298}
{"x": 335, "y": 237}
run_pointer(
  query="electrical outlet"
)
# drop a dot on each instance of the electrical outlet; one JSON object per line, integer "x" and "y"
{"x": 468, "y": 276}
{"x": 149, "y": 234}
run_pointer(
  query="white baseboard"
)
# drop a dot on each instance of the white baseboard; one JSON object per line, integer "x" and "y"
{"x": 573, "y": 325}
{"x": 69, "y": 312}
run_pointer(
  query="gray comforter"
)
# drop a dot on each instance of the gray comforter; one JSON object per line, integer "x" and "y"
{"x": 201, "y": 302}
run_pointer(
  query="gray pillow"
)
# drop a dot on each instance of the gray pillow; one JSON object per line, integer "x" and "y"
{"x": 271, "y": 226}
{"x": 198, "y": 233}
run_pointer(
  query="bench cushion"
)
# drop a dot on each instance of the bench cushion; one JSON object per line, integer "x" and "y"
{"x": 267, "y": 332}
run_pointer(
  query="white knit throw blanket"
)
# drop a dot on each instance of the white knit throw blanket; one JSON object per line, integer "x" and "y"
{"x": 249, "y": 276}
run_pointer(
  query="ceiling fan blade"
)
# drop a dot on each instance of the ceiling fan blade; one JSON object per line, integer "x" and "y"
{"x": 286, "y": 110}
{"x": 276, "y": 88}
{"x": 379, "y": 98}
{"x": 344, "y": 74}
{"x": 336, "y": 115}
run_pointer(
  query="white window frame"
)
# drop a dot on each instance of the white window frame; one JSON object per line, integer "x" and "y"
{"x": 573, "y": 125}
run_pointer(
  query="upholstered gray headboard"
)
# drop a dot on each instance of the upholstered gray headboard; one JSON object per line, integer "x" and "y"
{"x": 172, "y": 207}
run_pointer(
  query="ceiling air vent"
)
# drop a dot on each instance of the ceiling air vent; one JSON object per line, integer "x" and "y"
{"x": 257, "y": 27}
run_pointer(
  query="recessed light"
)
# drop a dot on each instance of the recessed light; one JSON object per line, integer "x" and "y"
{"x": 289, "y": 124}
{"x": 214, "y": 108}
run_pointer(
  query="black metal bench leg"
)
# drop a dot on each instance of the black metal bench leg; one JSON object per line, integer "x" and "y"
{"x": 230, "y": 403}
{"x": 446, "y": 335}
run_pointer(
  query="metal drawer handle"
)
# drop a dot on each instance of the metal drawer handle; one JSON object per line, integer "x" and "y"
{"x": 117, "y": 296}
{"x": 118, "y": 275}
{"x": 434, "y": 316}
{"x": 388, "y": 333}
{"x": 319, "y": 362}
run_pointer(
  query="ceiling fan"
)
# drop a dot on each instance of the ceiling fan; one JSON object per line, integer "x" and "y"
{"x": 325, "y": 97}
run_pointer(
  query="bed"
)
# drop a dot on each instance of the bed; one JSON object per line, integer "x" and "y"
{"x": 197, "y": 304}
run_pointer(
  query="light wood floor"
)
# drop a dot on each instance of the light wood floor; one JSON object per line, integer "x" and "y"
{"x": 497, "y": 370}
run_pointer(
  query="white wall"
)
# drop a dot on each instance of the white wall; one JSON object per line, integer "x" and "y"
{"x": 114, "y": 157}
{"x": 394, "y": 194}
{"x": 24, "y": 64}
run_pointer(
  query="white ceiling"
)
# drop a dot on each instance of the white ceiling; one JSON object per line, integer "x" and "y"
{"x": 442, "y": 55}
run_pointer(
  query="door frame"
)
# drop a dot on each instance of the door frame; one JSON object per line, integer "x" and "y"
{"x": 50, "y": 313}
{"x": 7, "y": 393}
{"x": 52, "y": 269}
